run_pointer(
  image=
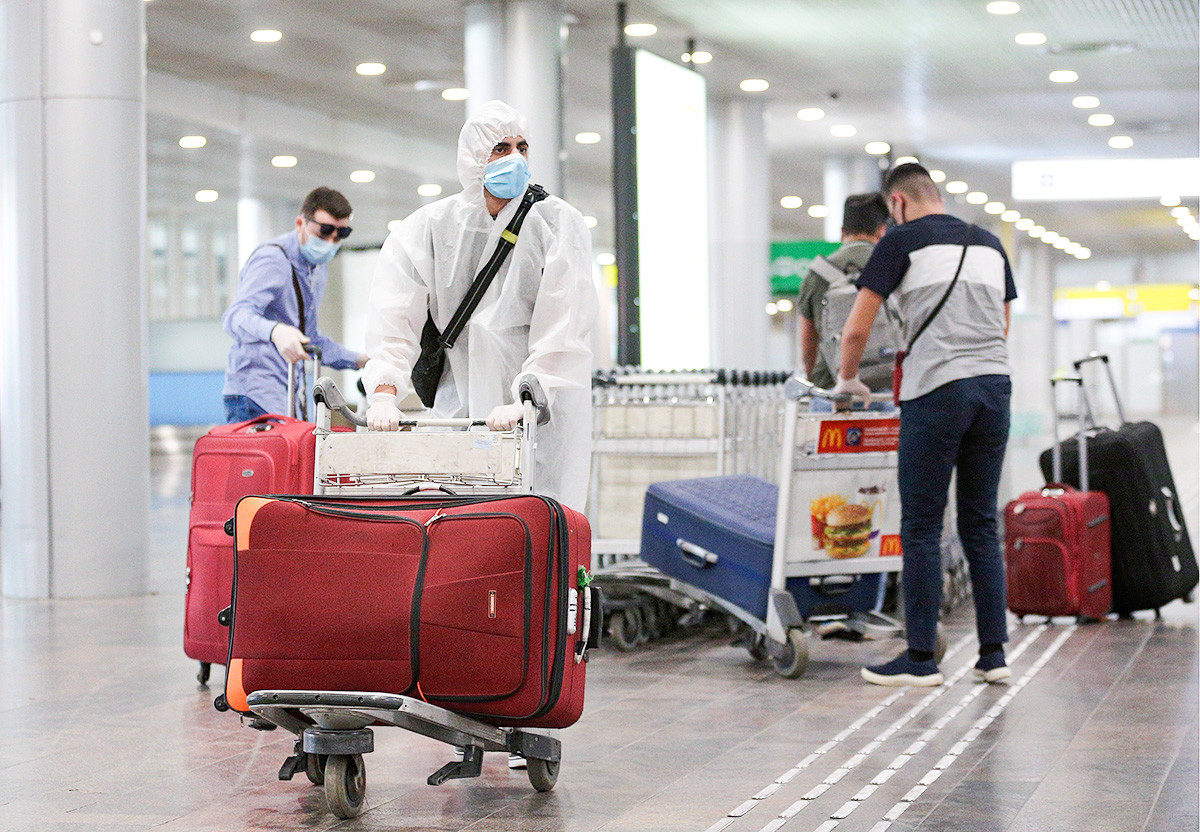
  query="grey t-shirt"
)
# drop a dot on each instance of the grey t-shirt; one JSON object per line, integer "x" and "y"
{"x": 812, "y": 294}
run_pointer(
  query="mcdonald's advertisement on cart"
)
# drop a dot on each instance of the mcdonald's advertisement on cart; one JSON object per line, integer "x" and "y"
{"x": 845, "y": 490}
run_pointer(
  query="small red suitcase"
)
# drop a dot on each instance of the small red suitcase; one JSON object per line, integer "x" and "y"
{"x": 1057, "y": 545}
{"x": 470, "y": 603}
{"x": 268, "y": 455}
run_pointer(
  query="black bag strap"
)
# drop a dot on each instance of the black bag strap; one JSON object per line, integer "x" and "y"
{"x": 295, "y": 284}
{"x": 508, "y": 239}
{"x": 966, "y": 244}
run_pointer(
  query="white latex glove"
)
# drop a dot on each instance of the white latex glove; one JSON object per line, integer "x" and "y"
{"x": 854, "y": 387}
{"x": 505, "y": 417}
{"x": 382, "y": 413}
{"x": 290, "y": 342}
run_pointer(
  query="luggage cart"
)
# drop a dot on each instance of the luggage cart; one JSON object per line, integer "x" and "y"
{"x": 334, "y": 728}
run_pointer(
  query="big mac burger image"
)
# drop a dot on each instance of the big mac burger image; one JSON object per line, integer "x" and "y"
{"x": 847, "y": 531}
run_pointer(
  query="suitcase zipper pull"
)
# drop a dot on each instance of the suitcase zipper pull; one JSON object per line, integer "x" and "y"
{"x": 437, "y": 514}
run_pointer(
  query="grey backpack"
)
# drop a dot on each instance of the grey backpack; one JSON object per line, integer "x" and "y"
{"x": 887, "y": 333}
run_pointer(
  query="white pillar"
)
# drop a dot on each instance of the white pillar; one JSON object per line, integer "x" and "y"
{"x": 253, "y": 229}
{"x": 73, "y": 394}
{"x": 740, "y": 227}
{"x": 845, "y": 175}
{"x": 513, "y": 52}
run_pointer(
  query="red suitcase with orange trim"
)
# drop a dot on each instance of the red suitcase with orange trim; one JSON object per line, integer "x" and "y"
{"x": 468, "y": 603}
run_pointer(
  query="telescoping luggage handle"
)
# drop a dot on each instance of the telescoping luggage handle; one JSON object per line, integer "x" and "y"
{"x": 297, "y": 407}
{"x": 1084, "y": 409}
{"x": 1112, "y": 383}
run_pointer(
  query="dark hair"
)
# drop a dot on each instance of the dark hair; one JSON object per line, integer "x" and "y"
{"x": 912, "y": 179}
{"x": 864, "y": 213}
{"x": 326, "y": 199}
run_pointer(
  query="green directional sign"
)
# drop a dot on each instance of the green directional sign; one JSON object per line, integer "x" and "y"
{"x": 790, "y": 260}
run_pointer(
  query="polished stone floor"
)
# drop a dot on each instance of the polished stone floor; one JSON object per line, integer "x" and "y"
{"x": 103, "y": 727}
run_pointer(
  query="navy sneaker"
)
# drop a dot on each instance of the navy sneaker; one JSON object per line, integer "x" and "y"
{"x": 904, "y": 671}
{"x": 991, "y": 668}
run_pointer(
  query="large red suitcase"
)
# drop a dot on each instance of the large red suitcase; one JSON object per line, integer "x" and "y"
{"x": 1057, "y": 541}
{"x": 271, "y": 454}
{"x": 470, "y": 603}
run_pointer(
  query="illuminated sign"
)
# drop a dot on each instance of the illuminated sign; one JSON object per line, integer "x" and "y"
{"x": 1084, "y": 179}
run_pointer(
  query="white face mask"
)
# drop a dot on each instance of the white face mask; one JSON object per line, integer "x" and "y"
{"x": 507, "y": 176}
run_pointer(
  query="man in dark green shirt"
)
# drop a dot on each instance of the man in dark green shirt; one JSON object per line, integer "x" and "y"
{"x": 864, "y": 220}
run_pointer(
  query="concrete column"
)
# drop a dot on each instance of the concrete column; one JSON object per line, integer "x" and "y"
{"x": 845, "y": 175}
{"x": 514, "y": 52}
{"x": 73, "y": 393}
{"x": 253, "y": 229}
{"x": 740, "y": 227}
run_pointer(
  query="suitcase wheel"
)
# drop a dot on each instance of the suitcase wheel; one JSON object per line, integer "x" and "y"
{"x": 543, "y": 774}
{"x": 345, "y": 784}
{"x": 624, "y": 627}
{"x": 795, "y": 655}
{"x": 204, "y": 674}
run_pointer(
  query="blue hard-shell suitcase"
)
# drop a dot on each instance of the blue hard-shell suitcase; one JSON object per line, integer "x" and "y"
{"x": 717, "y": 534}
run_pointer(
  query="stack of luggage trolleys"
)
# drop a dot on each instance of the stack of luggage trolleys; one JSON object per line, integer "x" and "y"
{"x": 811, "y": 551}
{"x": 423, "y": 585}
{"x": 651, "y": 426}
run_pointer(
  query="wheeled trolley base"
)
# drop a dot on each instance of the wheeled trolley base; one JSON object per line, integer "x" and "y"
{"x": 332, "y": 733}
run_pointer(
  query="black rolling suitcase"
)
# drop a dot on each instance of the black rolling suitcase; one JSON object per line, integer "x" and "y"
{"x": 1153, "y": 561}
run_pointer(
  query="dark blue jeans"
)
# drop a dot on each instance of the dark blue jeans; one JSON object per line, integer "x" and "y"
{"x": 960, "y": 427}
{"x": 241, "y": 409}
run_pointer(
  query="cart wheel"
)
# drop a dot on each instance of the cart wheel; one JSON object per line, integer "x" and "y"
{"x": 204, "y": 674}
{"x": 795, "y": 657}
{"x": 758, "y": 648}
{"x": 651, "y": 630}
{"x": 623, "y": 629}
{"x": 939, "y": 646}
{"x": 314, "y": 767}
{"x": 345, "y": 783}
{"x": 543, "y": 774}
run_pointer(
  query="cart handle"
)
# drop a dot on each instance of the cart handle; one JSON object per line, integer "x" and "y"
{"x": 797, "y": 388}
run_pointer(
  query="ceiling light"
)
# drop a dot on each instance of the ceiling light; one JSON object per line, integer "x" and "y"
{"x": 1049, "y": 236}
{"x": 1010, "y": 215}
{"x": 810, "y": 114}
{"x": 772, "y": 309}
{"x": 394, "y": 224}
{"x": 1072, "y": 248}
{"x": 1061, "y": 243}
{"x": 1030, "y": 39}
{"x": 956, "y": 187}
{"x": 818, "y": 211}
{"x": 1120, "y": 142}
{"x": 791, "y": 202}
{"x": 362, "y": 176}
{"x": 1085, "y": 102}
{"x": 1194, "y": 234}
{"x": 700, "y": 57}
{"x": 283, "y": 161}
{"x": 370, "y": 69}
{"x": 1101, "y": 120}
{"x": 1024, "y": 224}
{"x": 1084, "y": 253}
{"x": 192, "y": 142}
{"x": 784, "y": 305}
{"x": 590, "y": 221}
{"x": 429, "y": 189}
{"x": 937, "y": 175}
{"x": 456, "y": 94}
{"x": 977, "y": 197}
{"x": 1184, "y": 221}
{"x": 206, "y": 196}
{"x": 587, "y": 138}
{"x": 877, "y": 148}
{"x": 843, "y": 131}
{"x": 1003, "y": 7}
{"x": 754, "y": 85}
{"x": 266, "y": 35}
{"x": 1036, "y": 231}
{"x": 1181, "y": 211}
{"x": 1168, "y": 201}
{"x": 606, "y": 259}
{"x": 994, "y": 208}
{"x": 1064, "y": 76}
{"x": 640, "y": 30}
{"x": 906, "y": 160}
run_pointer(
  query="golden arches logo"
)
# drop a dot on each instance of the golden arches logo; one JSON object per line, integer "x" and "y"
{"x": 832, "y": 437}
{"x": 889, "y": 544}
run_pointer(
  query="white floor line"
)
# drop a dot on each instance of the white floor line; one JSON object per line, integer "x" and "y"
{"x": 948, "y": 760}
{"x": 743, "y": 808}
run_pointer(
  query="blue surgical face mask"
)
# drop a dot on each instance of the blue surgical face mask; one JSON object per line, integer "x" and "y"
{"x": 318, "y": 251}
{"x": 506, "y": 177}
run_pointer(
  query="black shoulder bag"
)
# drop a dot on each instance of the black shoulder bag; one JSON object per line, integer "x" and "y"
{"x": 427, "y": 372}
{"x": 898, "y": 369}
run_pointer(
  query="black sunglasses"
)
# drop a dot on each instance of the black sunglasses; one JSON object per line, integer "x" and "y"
{"x": 342, "y": 231}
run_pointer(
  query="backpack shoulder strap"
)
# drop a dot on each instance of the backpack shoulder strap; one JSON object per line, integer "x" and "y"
{"x": 823, "y": 267}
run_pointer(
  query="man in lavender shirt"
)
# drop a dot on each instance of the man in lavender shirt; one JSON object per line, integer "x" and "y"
{"x": 274, "y": 315}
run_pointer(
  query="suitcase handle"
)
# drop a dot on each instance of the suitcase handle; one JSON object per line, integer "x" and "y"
{"x": 1172, "y": 507}
{"x": 1083, "y": 408}
{"x": 696, "y": 556}
{"x": 1112, "y": 381}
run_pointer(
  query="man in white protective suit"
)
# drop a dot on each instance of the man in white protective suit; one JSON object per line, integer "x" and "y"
{"x": 536, "y": 317}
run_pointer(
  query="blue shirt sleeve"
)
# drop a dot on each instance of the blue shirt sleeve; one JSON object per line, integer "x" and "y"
{"x": 256, "y": 308}
{"x": 886, "y": 266}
